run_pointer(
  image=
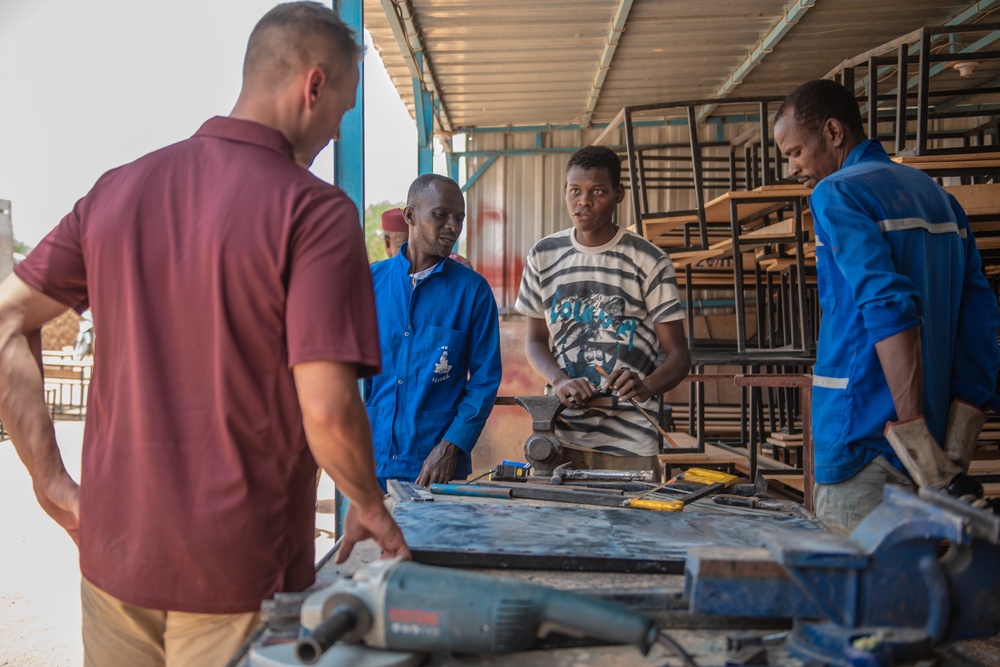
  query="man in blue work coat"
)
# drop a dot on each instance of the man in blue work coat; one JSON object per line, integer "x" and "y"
{"x": 907, "y": 352}
{"x": 440, "y": 340}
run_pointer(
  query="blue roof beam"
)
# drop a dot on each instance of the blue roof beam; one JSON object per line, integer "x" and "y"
{"x": 607, "y": 55}
{"x": 415, "y": 55}
{"x": 757, "y": 54}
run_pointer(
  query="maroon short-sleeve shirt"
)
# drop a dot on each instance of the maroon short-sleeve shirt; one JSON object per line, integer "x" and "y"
{"x": 213, "y": 266}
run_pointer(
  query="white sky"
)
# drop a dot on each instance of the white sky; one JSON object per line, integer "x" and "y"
{"x": 87, "y": 86}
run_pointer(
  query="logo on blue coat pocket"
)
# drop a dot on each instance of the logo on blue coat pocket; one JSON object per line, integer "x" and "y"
{"x": 442, "y": 369}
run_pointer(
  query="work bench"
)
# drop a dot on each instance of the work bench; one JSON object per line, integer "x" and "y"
{"x": 657, "y": 594}
{"x": 497, "y": 540}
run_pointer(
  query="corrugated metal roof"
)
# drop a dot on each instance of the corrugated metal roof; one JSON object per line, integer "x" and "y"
{"x": 525, "y": 62}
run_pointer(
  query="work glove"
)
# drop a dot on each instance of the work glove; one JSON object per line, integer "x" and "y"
{"x": 926, "y": 462}
{"x": 965, "y": 423}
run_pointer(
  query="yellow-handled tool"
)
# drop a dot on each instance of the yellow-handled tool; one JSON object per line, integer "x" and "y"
{"x": 655, "y": 505}
{"x": 712, "y": 479}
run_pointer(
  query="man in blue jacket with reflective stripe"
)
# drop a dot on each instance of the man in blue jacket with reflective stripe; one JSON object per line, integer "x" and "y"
{"x": 440, "y": 338}
{"x": 907, "y": 353}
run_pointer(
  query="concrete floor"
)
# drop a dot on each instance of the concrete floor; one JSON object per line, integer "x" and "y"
{"x": 39, "y": 570}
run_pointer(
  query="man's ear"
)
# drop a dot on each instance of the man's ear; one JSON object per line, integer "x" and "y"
{"x": 619, "y": 193}
{"x": 833, "y": 130}
{"x": 408, "y": 215}
{"x": 315, "y": 82}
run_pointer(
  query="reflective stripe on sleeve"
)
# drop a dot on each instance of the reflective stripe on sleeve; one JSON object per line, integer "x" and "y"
{"x": 903, "y": 224}
{"x": 830, "y": 383}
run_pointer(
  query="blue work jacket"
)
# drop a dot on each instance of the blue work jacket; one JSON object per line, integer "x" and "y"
{"x": 440, "y": 342}
{"x": 893, "y": 251}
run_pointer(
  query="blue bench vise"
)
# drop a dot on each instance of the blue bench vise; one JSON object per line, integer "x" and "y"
{"x": 919, "y": 571}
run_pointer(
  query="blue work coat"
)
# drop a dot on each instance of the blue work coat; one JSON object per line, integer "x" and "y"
{"x": 893, "y": 251}
{"x": 440, "y": 342}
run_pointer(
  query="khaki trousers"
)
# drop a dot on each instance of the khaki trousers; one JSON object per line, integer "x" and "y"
{"x": 843, "y": 505}
{"x": 116, "y": 634}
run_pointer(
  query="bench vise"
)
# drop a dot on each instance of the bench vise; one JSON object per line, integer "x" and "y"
{"x": 917, "y": 572}
{"x": 542, "y": 449}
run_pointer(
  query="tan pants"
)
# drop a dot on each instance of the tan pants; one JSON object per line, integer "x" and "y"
{"x": 116, "y": 634}
{"x": 843, "y": 505}
{"x": 588, "y": 459}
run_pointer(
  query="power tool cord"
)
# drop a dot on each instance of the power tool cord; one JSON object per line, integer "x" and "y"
{"x": 671, "y": 645}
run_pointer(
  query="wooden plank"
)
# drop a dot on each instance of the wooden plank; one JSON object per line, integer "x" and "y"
{"x": 787, "y": 437}
{"x": 988, "y": 242}
{"x": 977, "y": 199}
{"x": 945, "y": 162}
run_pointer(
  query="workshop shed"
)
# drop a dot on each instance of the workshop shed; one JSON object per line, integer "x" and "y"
{"x": 683, "y": 90}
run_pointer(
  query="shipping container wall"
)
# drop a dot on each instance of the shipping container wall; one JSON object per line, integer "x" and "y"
{"x": 518, "y": 199}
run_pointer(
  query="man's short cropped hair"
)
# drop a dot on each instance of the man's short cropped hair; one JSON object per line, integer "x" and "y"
{"x": 422, "y": 183}
{"x": 598, "y": 157}
{"x": 296, "y": 34}
{"x": 815, "y": 102}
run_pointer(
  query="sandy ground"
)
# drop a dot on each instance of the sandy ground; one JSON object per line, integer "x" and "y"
{"x": 39, "y": 572}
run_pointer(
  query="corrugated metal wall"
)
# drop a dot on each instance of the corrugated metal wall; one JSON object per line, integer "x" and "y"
{"x": 518, "y": 200}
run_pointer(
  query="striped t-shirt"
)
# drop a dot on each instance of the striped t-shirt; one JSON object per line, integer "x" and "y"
{"x": 600, "y": 305}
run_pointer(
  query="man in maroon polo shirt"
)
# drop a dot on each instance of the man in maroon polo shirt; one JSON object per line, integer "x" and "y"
{"x": 235, "y": 306}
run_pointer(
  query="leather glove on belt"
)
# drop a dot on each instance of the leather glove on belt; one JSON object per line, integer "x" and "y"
{"x": 965, "y": 423}
{"x": 926, "y": 462}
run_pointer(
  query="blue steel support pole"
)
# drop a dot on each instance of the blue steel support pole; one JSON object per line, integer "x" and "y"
{"x": 424, "y": 111}
{"x": 452, "y": 161}
{"x": 349, "y": 165}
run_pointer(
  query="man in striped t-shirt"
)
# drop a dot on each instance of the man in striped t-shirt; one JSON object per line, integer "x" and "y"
{"x": 597, "y": 295}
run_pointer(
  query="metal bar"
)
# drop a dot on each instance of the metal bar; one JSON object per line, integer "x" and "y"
{"x": 748, "y": 167}
{"x": 612, "y": 126}
{"x": 476, "y": 175}
{"x": 765, "y": 157}
{"x": 872, "y": 99}
{"x": 349, "y": 149}
{"x": 800, "y": 269}
{"x": 732, "y": 168}
{"x": 741, "y": 325}
{"x": 847, "y": 78}
{"x": 680, "y": 104}
{"x": 699, "y": 186}
{"x": 901, "y": 78}
{"x": 759, "y": 312}
{"x": 607, "y": 55}
{"x": 630, "y": 155}
{"x": 922, "y": 87}
{"x": 641, "y": 163}
{"x": 425, "y": 128}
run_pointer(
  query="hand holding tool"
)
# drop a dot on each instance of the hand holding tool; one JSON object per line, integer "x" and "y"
{"x": 404, "y": 606}
{"x": 649, "y": 417}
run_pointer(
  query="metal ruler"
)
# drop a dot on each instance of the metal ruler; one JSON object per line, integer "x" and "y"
{"x": 408, "y": 492}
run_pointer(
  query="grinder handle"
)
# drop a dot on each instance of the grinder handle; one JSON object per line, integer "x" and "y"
{"x": 311, "y": 648}
{"x": 608, "y": 621}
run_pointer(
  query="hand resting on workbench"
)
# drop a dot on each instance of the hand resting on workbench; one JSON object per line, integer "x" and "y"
{"x": 439, "y": 466}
